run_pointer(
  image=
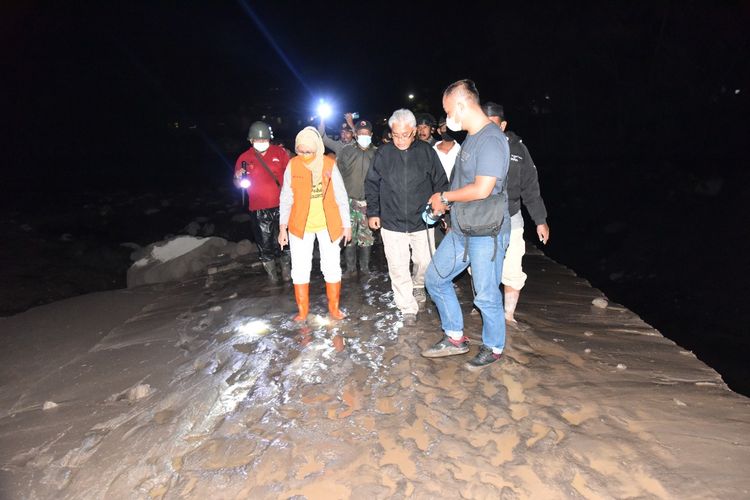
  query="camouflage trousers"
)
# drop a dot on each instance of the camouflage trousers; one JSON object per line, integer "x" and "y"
{"x": 361, "y": 234}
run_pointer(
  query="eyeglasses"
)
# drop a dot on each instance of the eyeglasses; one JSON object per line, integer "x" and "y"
{"x": 305, "y": 152}
{"x": 403, "y": 136}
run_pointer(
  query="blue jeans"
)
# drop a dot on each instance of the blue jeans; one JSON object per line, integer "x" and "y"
{"x": 447, "y": 263}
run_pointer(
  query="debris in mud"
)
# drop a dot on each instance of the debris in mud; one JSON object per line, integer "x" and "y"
{"x": 48, "y": 405}
{"x": 600, "y": 303}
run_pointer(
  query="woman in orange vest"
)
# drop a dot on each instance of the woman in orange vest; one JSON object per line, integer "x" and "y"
{"x": 314, "y": 204}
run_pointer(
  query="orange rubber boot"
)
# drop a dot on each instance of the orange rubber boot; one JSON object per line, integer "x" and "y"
{"x": 333, "y": 291}
{"x": 302, "y": 296}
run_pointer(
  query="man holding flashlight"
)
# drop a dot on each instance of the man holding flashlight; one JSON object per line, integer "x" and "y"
{"x": 259, "y": 171}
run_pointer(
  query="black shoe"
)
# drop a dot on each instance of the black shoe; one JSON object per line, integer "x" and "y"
{"x": 447, "y": 347}
{"x": 484, "y": 357}
{"x": 410, "y": 319}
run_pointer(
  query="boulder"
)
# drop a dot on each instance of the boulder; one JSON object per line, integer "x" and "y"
{"x": 176, "y": 259}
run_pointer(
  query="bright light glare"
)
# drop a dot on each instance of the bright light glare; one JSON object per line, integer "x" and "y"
{"x": 255, "y": 328}
{"x": 324, "y": 110}
{"x": 411, "y": 96}
{"x": 245, "y": 183}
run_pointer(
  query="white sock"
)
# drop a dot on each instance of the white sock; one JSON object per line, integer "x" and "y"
{"x": 455, "y": 335}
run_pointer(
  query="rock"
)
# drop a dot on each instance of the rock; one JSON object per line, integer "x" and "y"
{"x": 131, "y": 245}
{"x": 177, "y": 259}
{"x": 193, "y": 228}
{"x": 600, "y": 303}
{"x": 244, "y": 247}
{"x": 48, "y": 405}
{"x": 241, "y": 218}
{"x": 140, "y": 391}
{"x": 208, "y": 229}
{"x": 621, "y": 366}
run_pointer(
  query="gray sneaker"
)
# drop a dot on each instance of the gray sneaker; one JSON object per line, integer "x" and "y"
{"x": 410, "y": 319}
{"x": 447, "y": 347}
{"x": 484, "y": 357}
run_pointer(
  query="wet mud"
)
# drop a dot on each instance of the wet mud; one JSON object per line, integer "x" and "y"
{"x": 208, "y": 389}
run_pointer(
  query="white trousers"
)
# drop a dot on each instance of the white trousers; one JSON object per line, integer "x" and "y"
{"x": 301, "y": 250}
{"x": 400, "y": 249}
{"x": 513, "y": 275}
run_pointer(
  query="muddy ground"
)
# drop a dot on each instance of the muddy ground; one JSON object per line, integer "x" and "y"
{"x": 207, "y": 389}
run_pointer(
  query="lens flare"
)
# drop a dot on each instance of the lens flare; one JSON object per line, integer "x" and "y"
{"x": 324, "y": 109}
{"x": 245, "y": 183}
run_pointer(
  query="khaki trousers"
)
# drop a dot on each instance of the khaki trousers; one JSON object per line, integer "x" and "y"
{"x": 400, "y": 249}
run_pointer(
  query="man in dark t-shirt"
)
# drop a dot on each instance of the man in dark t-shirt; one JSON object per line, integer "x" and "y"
{"x": 480, "y": 171}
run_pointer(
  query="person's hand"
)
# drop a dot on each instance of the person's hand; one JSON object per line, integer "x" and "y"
{"x": 347, "y": 235}
{"x": 438, "y": 208}
{"x": 374, "y": 223}
{"x": 349, "y": 119}
{"x": 283, "y": 237}
{"x": 542, "y": 231}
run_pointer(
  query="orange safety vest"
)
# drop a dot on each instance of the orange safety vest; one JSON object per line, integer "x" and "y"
{"x": 302, "y": 189}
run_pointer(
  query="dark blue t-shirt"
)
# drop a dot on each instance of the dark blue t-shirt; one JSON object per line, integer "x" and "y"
{"x": 485, "y": 153}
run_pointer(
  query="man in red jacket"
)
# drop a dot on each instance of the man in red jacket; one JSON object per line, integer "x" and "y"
{"x": 263, "y": 167}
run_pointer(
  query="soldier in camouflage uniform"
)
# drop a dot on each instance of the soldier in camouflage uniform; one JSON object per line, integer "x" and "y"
{"x": 354, "y": 162}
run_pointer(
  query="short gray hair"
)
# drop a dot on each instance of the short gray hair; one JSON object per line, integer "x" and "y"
{"x": 403, "y": 116}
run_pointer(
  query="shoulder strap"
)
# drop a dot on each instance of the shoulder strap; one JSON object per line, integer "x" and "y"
{"x": 263, "y": 163}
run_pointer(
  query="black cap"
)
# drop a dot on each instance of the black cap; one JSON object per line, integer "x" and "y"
{"x": 363, "y": 124}
{"x": 345, "y": 126}
{"x": 426, "y": 119}
{"x": 493, "y": 109}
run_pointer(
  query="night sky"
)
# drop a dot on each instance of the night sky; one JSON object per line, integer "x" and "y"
{"x": 634, "y": 112}
{"x": 612, "y": 75}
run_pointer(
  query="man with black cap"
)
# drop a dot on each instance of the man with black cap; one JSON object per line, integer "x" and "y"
{"x": 425, "y": 128}
{"x": 346, "y": 135}
{"x": 354, "y": 162}
{"x": 523, "y": 184}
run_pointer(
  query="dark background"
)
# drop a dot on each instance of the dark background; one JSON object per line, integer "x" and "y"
{"x": 635, "y": 112}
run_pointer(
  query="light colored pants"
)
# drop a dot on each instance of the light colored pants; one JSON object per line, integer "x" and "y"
{"x": 513, "y": 275}
{"x": 400, "y": 248}
{"x": 301, "y": 250}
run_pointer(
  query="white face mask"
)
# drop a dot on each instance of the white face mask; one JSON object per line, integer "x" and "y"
{"x": 364, "y": 140}
{"x": 261, "y": 146}
{"x": 455, "y": 126}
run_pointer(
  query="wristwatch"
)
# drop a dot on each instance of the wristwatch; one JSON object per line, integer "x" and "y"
{"x": 444, "y": 200}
